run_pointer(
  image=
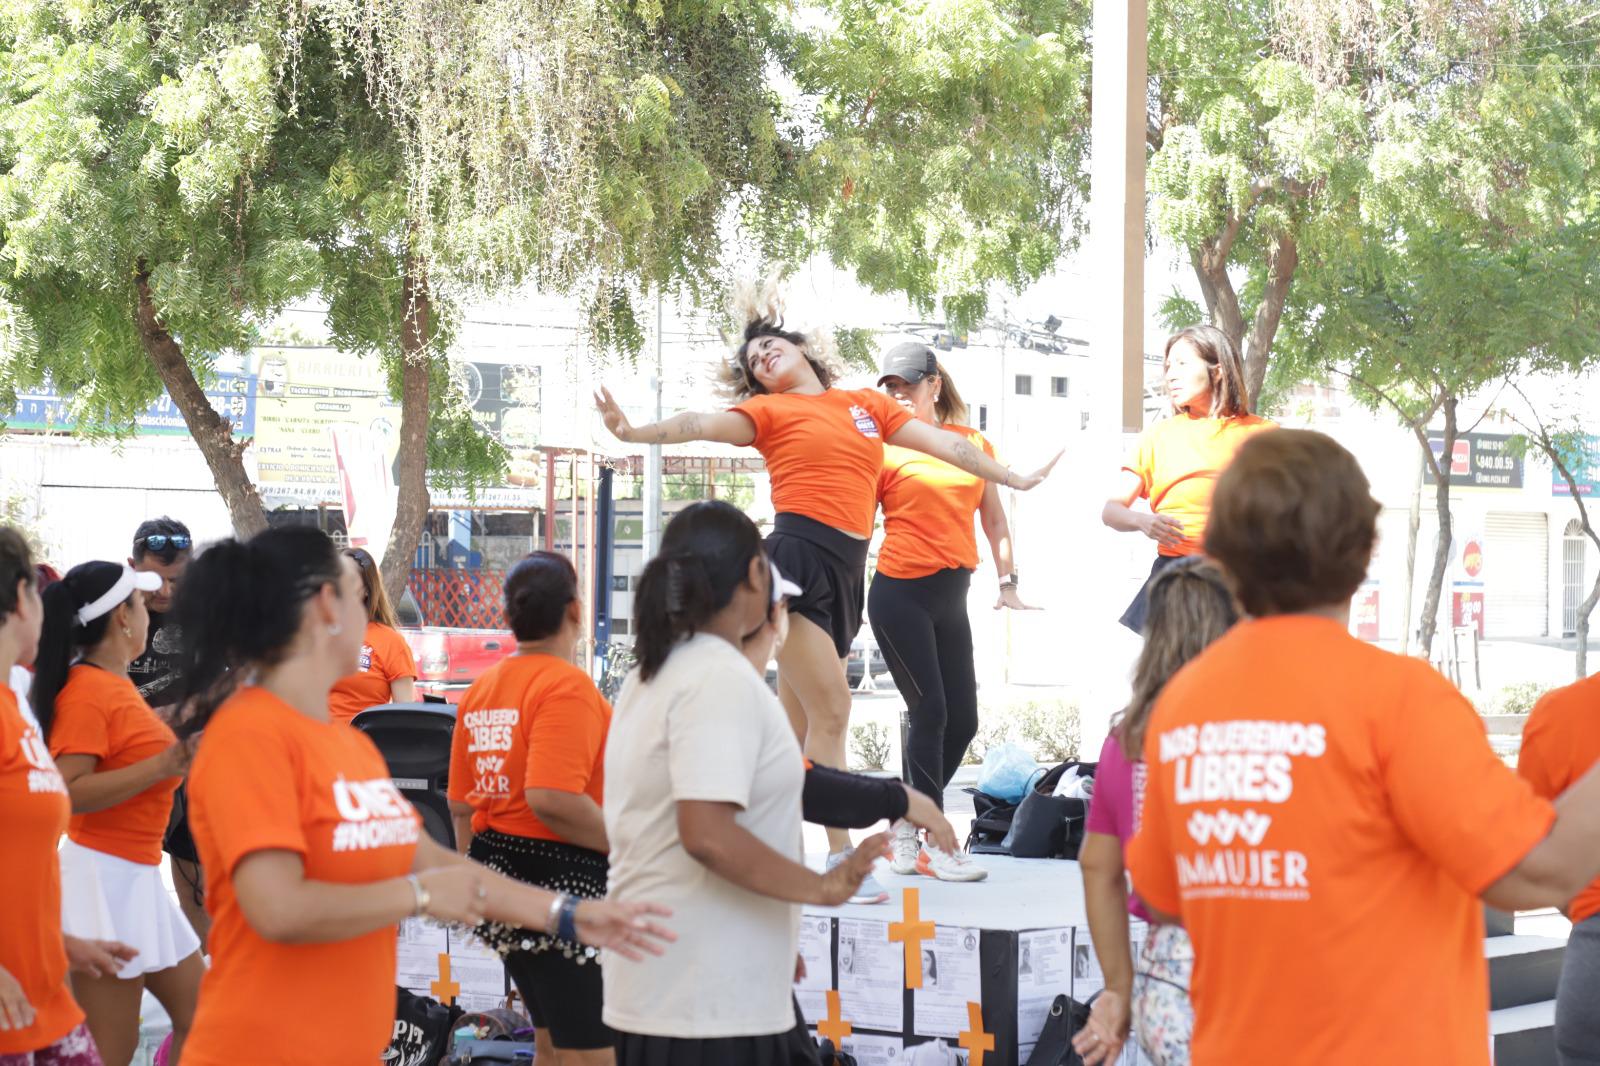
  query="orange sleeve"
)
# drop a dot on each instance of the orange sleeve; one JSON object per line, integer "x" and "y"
{"x": 1446, "y": 784}
{"x": 1541, "y": 762}
{"x": 398, "y": 662}
{"x": 81, "y": 727}
{"x": 242, "y": 766}
{"x": 758, "y": 409}
{"x": 565, "y": 739}
{"x": 890, "y": 415}
{"x": 1143, "y": 461}
{"x": 1149, "y": 853}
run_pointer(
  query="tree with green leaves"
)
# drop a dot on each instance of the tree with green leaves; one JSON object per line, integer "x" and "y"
{"x": 1562, "y": 438}
{"x": 175, "y": 172}
{"x": 1269, "y": 119}
{"x": 164, "y": 193}
{"x": 1476, "y": 260}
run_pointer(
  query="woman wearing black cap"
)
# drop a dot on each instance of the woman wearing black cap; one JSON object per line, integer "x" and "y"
{"x": 824, "y": 453}
{"x": 121, "y": 763}
{"x": 918, "y": 601}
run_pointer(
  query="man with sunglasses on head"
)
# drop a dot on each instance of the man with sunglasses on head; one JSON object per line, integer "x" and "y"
{"x": 163, "y": 546}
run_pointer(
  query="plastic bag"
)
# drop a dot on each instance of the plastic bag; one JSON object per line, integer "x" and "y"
{"x": 1074, "y": 784}
{"x": 1008, "y": 771}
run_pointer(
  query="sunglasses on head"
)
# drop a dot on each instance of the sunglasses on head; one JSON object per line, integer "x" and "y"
{"x": 160, "y": 542}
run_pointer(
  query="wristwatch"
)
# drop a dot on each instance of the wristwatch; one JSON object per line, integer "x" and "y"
{"x": 1009, "y": 581}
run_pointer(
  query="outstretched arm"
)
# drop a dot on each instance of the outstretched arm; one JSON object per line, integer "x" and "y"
{"x": 724, "y": 427}
{"x": 959, "y": 451}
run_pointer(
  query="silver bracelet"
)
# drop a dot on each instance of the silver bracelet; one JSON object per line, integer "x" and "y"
{"x": 420, "y": 894}
{"x": 554, "y": 918}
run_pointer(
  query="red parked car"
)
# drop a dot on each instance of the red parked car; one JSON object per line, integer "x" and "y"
{"x": 450, "y": 660}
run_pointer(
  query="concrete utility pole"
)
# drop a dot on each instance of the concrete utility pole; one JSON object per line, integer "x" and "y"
{"x": 652, "y": 460}
{"x": 1116, "y": 207}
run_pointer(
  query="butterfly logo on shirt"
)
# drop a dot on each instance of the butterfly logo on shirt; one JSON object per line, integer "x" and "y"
{"x": 865, "y": 423}
{"x": 1224, "y": 826}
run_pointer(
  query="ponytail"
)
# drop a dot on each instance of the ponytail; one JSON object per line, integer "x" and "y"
{"x": 239, "y": 609}
{"x": 60, "y": 641}
{"x": 705, "y": 556}
{"x": 950, "y": 409}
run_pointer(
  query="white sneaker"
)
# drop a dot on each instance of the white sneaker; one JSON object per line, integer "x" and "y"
{"x": 906, "y": 845}
{"x": 870, "y": 890}
{"x": 948, "y": 865}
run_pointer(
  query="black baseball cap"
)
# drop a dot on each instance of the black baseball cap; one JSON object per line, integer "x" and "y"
{"x": 911, "y": 361}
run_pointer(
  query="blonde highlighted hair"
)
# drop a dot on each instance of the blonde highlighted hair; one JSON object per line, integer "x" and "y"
{"x": 949, "y": 408}
{"x": 1189, "y": 605}
{"x": 756, "y": 307}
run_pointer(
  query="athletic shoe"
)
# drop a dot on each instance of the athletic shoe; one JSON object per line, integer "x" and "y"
{"x": 948, "y": 865}
{"x": 907, "y": 845}
{"x": 870, "y": 891}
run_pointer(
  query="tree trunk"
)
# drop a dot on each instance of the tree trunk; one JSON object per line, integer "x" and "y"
{"x": 212, "y": 433}
{"x": 411, "y": 481}
{"x": 1441, "y": 554}
{"x": 1282, "y": 260}
{"x": 1222, "y": 301}
{"x": 1413, "y": 527}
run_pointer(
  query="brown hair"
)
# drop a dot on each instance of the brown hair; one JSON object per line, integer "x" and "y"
{"x": 1189, "y": 607}
{"x": 377, "y": 600}
{"x": 1230, "y": 398}
{"x": 757, "y": 310}
{"x": 950, "y": 408}
{"x": 1293, "y": 522}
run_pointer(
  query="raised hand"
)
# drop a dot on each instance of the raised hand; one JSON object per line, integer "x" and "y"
{"x": 611, "y": 414}
{"x": 1024, "y": 482}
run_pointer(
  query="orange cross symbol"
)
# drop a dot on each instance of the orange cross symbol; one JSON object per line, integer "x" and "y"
{"x": 444, "y": 989}
{"x": 912, "y": 932}
{"x": 975, "y": 1040}
{"x": 834, "y": 1028}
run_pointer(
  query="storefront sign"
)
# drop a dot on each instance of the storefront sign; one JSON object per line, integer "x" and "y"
{"x": 1364, "y": 613}
{"x": 1478, "y": 461}
{"x": 1466, "y": 609}
{"x": 233, "y": 396}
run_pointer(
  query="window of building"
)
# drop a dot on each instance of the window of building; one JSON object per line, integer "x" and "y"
{"x": 1024, "y": 384}
{"x": 983, "y": 416}
{"x": 1058, "y": 387}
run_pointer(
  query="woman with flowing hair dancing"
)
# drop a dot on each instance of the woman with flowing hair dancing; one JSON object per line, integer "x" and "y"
{"x": 823, "y": 448}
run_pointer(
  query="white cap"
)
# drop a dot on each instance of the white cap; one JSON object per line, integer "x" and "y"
{"x": 131, "y": 579}
{"x": 781, "y": 586}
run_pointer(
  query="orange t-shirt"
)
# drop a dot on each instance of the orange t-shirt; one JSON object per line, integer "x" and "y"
{"x": 385, "y": 657}
{"x": 928, "y": 506}
{"x": 1322, "y": 816}
{"x": 824, "y": 453}
{"x": 1560, "y": 742}
{"x": 101, "y": 714}
{"x": 531, "y": 721}
{"x": 267, "y": 778}
{"x": 1178, "y": 461}
{"x": 34, "y": 809}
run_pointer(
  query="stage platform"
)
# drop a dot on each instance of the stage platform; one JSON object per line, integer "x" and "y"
{"x": 1010, "y": 944}
{"x": 1014, "y": 942}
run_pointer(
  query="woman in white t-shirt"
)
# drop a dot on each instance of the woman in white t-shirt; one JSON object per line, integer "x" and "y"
{"x": 704, "y": 779}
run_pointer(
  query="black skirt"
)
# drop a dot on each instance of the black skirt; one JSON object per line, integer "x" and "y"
{"x": 550, "y": 864}
{"x": 1134, "y": 616}
{"x": 830, "y": 567}
{"x": 792, "y": 1048}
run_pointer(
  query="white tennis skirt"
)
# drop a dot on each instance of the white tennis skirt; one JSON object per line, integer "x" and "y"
{"x": 104, "y": 897}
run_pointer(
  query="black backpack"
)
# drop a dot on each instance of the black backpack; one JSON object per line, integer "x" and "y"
{"x": 422, "y": 1029}
{"x": 1042, "y": 826}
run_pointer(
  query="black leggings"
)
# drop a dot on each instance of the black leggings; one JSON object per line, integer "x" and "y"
{"x": 922, "y": 628}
